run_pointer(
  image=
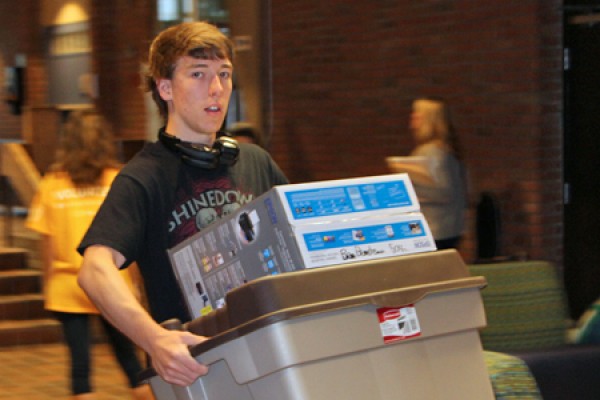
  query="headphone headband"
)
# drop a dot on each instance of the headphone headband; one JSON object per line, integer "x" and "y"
{"x": 224, "y": 151}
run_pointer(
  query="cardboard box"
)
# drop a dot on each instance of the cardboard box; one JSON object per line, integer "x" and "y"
{"x": 294, "y": 227}
{"x": 395, "y": 328}
{"x": 346, "y": 198}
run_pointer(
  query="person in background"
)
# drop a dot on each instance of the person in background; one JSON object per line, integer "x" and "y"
{"x": 67, "y": 200}
{"x": 169, "y": 191}
{"x": 442, "y": 193}
{"x": 245, "y": 132}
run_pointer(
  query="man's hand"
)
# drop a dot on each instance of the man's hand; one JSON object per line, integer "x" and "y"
{"x": 172, "y": 360}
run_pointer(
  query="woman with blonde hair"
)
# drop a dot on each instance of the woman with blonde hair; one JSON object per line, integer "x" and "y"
{"x": 67, "y": 200}
{"x": 442, "y": 193}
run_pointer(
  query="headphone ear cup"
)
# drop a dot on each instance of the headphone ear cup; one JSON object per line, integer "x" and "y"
{"x": 228, "y": 149}
{"x": 169, "y": 141}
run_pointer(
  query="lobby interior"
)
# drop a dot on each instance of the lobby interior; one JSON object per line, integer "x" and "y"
{"x": 330, "y": 85}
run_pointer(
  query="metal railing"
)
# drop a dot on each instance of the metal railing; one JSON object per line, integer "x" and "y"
{"x": 18, "y": 181}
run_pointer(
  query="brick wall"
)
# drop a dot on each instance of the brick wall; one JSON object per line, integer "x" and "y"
{"x": 121, "y": 33}
{"x": 345, "y": 73}
{"x": 19, "y": 36}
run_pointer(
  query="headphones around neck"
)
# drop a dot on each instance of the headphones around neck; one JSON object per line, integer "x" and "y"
{"x": 224, "y": 151}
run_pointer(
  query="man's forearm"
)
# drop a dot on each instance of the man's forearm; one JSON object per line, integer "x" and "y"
{"x": 100, "y": 279}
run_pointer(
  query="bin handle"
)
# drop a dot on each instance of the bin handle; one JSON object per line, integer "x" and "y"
{"x": 172, "y": 324}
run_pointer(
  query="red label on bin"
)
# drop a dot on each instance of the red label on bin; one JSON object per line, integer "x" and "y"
{"x": 398, "y": 323}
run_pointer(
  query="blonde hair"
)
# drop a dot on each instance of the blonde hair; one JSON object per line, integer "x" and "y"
{"x": 86, "y": 148}
{"x": 436, "y": 124}
{"x": 196, "y": 39}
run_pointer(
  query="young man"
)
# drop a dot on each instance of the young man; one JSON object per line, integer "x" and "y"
{"x": 171, "y": 190}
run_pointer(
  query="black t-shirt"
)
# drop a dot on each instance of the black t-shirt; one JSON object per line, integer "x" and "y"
{"x": 157, "y": 201}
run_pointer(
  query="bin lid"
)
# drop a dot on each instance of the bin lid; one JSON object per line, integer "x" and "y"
{"x": 394, "y": 281}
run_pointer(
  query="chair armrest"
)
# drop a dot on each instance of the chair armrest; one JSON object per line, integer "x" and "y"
{"x": 568, "y": 372}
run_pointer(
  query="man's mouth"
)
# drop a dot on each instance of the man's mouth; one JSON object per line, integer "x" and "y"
{"x": 213, "y": 108}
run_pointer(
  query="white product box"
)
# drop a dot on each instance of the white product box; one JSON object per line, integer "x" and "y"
{"x": 294, "y": 227}
{"x": 339, "y": 242}
{"x": 346, "y": 198}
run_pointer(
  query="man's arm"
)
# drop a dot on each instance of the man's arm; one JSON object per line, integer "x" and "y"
{"x": 100, "y": 279}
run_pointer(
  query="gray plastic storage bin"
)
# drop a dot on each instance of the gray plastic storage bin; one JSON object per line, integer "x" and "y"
{"x": 324, "y": 334}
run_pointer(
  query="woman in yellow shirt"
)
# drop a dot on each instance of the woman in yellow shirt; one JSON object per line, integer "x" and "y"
{"x": 67, "y": 200}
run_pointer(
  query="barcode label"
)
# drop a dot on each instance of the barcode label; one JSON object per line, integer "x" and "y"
{"x": 398, "y": 323}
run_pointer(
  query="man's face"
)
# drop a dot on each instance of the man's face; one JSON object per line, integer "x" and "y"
{"x": 197, "y": 96}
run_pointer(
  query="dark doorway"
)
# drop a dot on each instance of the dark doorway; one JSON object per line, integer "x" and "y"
{"x": 582, "y": 156}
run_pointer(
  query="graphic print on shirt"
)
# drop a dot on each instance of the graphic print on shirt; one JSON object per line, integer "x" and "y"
{"x": 200, "y": 201}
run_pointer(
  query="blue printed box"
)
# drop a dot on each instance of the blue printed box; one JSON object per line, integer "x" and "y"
{"x": 340, "y": 242}
{"x": 347, "y": 198}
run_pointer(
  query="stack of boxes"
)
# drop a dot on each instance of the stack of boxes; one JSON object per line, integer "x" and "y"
{"x": 300, "y": 226}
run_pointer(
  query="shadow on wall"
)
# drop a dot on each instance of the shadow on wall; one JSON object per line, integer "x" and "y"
{"x": 507, "y": 211}
{"x": 298, "y": 171}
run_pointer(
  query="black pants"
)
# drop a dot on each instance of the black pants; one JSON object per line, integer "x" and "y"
{"x": 76, "y": 328}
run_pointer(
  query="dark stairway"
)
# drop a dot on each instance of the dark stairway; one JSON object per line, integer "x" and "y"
{"x": 23, "y": 319}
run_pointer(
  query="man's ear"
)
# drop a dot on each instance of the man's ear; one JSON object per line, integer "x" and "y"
{"x": 164, "y": 88}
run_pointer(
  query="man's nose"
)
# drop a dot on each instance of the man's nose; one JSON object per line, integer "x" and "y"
{"x": 216, "y": 88}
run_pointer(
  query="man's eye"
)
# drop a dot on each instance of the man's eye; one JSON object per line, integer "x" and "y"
{"x": 225, "y": 74}
{"x": 197, "y": 74}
